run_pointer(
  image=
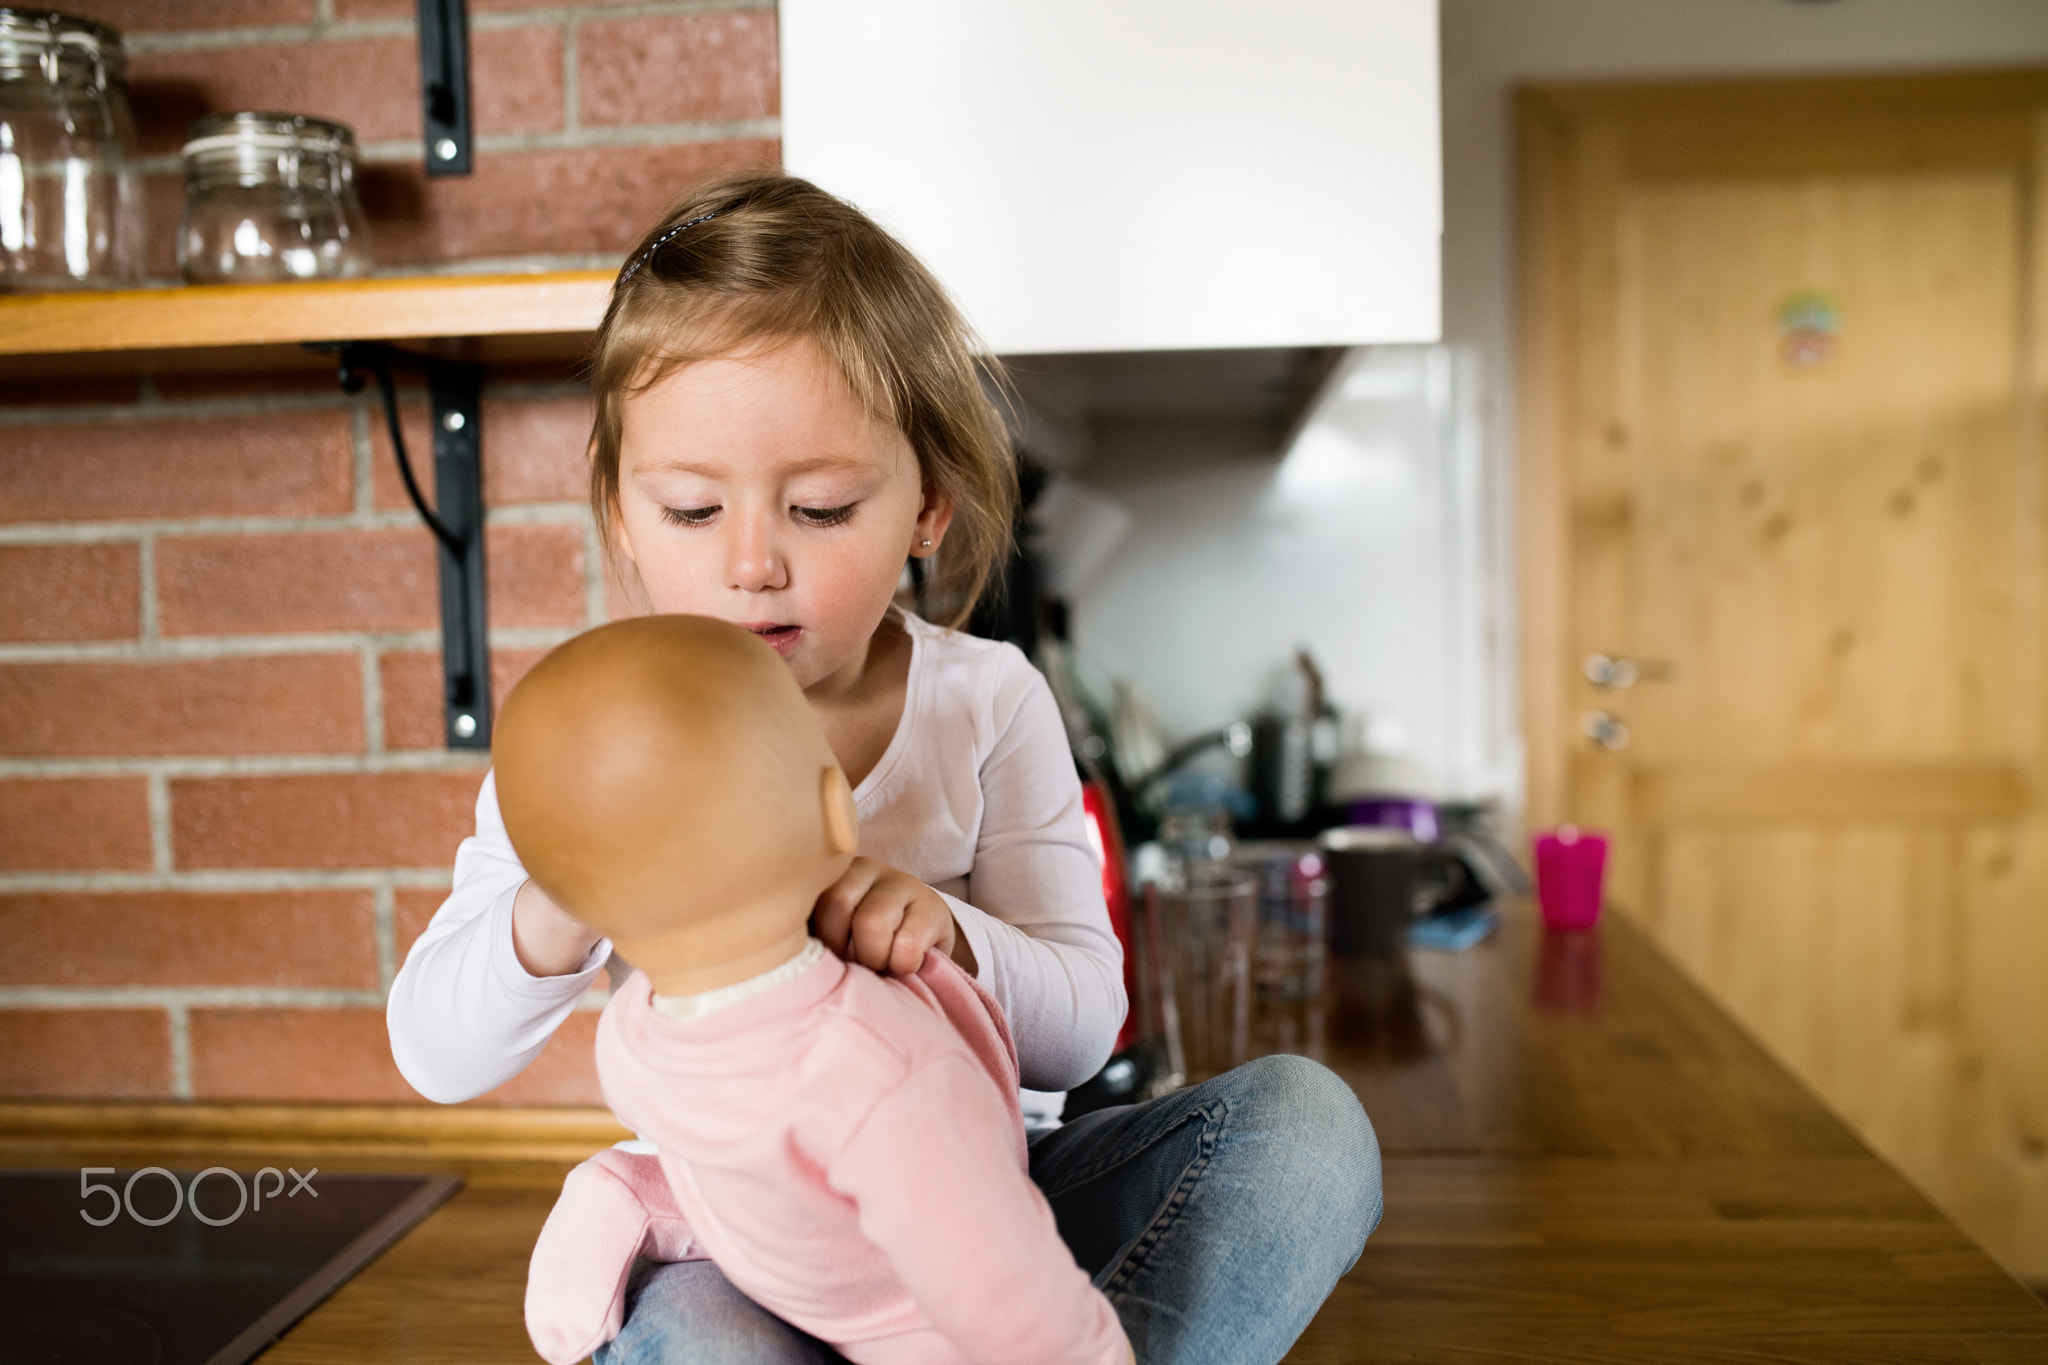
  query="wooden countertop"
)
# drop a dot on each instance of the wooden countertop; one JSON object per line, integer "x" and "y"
{"x": 1586, "y": 1161}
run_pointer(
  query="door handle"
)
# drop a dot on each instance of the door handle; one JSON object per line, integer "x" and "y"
{"x": 1615, "y": 673}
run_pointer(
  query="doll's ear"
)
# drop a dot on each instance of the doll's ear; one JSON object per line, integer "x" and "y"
{"x": 842, "y": 821}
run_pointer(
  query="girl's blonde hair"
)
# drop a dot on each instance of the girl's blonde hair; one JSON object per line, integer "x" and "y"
{"x": 772, "y": 257}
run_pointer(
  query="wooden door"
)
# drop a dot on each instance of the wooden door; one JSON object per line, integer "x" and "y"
{"x": 1782, "y": 407}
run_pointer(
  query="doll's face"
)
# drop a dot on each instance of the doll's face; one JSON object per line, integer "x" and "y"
{"x": 756, "y": 489}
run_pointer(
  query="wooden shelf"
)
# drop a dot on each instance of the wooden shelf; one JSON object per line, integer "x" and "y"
{"x": 235, "y": 326}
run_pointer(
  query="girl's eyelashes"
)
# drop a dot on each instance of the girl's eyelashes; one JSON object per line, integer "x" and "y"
{"x": 823, "y": 516}
{"x": 819, "y": 517}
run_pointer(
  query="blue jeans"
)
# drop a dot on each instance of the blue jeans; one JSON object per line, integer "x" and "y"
{"x": 1216, "y": 1219}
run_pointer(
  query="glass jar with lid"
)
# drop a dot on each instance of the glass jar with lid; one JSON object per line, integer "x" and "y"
{"x": 271, "y": 197}
{"x": 70, "y": 191}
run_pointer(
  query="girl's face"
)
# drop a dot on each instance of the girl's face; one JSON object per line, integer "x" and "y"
{"x": 755, "y": 488}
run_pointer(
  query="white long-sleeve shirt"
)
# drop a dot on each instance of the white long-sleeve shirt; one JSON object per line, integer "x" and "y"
{"x": 976, "y": 797}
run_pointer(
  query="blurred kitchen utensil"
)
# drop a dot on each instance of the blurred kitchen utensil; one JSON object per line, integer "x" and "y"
{"x": 1409, "y": 813}
{"x": 1471, "y": 830}
{"x": 1197, "y": 841}
{"x": 1453, "y": 931}
{"x": 1375, "y": 875}
{"x": 1294, "y": 742}
{"x": 1382, "y": 879}
{"x": 1136, "y": 745}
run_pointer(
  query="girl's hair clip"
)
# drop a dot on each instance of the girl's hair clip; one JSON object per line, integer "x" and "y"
{"x": 657, "y": 244}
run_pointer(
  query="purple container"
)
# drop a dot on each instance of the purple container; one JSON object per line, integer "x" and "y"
{"x": 1397, "y": 812}
{"x": 1570, "y": 864}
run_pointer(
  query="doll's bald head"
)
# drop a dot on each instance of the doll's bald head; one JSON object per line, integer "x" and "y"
{"x": 664, "y": 776}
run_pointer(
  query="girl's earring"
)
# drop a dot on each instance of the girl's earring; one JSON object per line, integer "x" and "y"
{"x": 926, "y": 543}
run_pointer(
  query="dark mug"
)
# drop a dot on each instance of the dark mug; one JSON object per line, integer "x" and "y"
{"x": 1381, "y": 878}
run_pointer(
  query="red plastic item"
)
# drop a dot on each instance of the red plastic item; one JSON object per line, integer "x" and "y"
{"x": 1109, "y": 847}
{"x": 1570, "y": 864}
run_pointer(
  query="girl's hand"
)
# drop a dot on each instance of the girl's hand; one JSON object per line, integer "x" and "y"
{"x": 885, "y": 920}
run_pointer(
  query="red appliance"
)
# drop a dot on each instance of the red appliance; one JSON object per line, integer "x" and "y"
{"x": 1108, "y": 843}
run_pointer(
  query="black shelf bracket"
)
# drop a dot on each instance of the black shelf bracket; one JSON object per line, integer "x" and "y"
{"x": 456, "y": 518}
{"x": 444, "y": 85}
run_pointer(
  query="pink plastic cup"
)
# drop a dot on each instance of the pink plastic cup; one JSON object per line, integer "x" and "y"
{"x": 1570, "y": 863}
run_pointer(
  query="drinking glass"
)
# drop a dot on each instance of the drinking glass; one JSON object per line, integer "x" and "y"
{"x": 1208, "y": 920}
{"x": 1290, "y": 961}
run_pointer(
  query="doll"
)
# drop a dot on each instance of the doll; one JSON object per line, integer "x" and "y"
{"x": 847, "y": 1147}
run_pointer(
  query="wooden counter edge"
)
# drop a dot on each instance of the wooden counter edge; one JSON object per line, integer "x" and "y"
{"x": 164, "y": 1131}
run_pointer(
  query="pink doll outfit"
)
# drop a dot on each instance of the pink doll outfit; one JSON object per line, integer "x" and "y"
{"x": 849, "y": 1149}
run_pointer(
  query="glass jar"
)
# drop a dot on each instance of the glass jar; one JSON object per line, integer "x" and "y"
{"x": 70, "y": 192}
{"x": 271, "y": 197}
{"x": 1195, "y": 836}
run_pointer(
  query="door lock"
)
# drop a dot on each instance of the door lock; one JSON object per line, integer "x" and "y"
{"x": 1605, "y": 730}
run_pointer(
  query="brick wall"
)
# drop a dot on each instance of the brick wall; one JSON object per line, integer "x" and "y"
{"x": 224, "y": 811}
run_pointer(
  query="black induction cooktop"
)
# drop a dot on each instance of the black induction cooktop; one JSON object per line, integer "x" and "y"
{"x": 158, "y": 1267}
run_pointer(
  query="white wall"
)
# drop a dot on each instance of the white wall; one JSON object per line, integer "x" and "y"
{"x": 1361, "y": 544}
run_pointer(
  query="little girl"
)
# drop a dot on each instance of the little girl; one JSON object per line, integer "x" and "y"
{"x": 787, "y": 407}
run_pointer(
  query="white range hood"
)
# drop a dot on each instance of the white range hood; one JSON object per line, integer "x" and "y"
{"x": 1132, "y": 175}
